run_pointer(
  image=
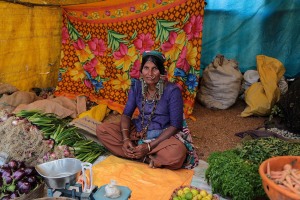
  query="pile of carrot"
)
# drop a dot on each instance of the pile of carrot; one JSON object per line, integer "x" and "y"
{"x": 288, "y": 177}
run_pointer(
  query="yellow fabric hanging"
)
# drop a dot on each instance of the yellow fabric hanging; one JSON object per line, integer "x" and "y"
{"x": 30, "y": 45}
{"x": 144, "y": 182}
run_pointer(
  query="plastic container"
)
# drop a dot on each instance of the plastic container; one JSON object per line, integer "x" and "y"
{"x": 274, "y": 191}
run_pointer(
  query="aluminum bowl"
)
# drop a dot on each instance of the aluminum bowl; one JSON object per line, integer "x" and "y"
{"x": 58, "y": 173}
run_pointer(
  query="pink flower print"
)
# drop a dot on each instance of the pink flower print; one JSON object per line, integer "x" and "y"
{"x": 88, "y": 83}
{"x": 132, "y": 8}
{"x": 167, "y": 46}
{"x": 84, "y": 13}
{"x": 107, "y": 13}
{"x": 182, "y": 61}
{"x": 135, "y": 70}
{"x": 65, "y": 35}
{"x": 123, "y": 50}
{"x": 90, "y": 67}
{"x": 79, "y": 45}
{"x": 158, "y": 1}
{"x": 97, "y": 46}
{"x": 144, "y": 42}
{"x": 194, "y": 27}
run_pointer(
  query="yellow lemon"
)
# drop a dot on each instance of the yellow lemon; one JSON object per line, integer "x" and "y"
{"x": 203, "y": 193}
{"x": 195, "y": 192}
{"x": 189, "y": 195}
{"x": 186, "y": 190}
{"x": 199, "y": 196}
{"x": 195, "y": 198}
{"x": 179, "y": 192}
{"x": 210, "y": 196}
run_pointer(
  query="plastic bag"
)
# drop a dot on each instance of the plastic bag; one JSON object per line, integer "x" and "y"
{"x": 111, "y": 190}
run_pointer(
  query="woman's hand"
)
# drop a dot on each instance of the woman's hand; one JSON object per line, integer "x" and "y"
{"x": 141, "y": 151}
{"x": 128, "y": 148}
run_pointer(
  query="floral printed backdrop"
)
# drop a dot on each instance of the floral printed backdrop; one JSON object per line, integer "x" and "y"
{"x": 102, "y": 44}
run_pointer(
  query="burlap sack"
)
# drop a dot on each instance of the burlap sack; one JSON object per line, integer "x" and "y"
{"x": 47, "y": 106}
{"x": 7, "y": 88}
{"x": 220, "y": 84}
{"x": 10, "y": 102}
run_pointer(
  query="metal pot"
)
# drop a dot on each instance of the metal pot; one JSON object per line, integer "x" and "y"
{"x": 58, "y": 173}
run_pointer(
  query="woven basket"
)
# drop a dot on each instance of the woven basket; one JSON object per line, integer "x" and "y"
{"x": 38, "y": 192}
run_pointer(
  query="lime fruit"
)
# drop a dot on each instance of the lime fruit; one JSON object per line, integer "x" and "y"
{"x": 186, "y": 190}
{"x": 176, "y": 198}
{"x": 189, "y": 195}
{"x": 195, "y": 192}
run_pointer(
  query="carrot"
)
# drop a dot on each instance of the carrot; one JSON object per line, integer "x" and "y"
{"x": 295, "y": 180}
{"x": 285, "y": 183}
{"x": 294, "y": 174}
{"x": 276, "y": 174}
{"x": 287, "y": 167}
{"x": 289, "y": 180}
{"x": 284, "y": 174}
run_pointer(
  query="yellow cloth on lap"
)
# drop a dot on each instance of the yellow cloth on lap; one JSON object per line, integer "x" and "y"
{"x": 144, "y": 182}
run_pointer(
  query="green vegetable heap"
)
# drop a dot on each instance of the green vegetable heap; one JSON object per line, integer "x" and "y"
{"x": 58, "y": 131}
{"x": 234, "y": 173}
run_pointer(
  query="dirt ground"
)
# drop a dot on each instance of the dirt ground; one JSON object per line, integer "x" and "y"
{"x": 214, "y": 130}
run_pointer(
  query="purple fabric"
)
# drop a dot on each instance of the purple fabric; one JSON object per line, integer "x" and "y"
{"x": 169, "y": 109}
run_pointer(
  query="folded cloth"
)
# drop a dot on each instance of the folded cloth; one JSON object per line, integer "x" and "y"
{"x": 144, "y": 182}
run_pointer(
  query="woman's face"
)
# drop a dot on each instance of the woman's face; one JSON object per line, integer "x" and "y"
{"x": 150, "y": 73}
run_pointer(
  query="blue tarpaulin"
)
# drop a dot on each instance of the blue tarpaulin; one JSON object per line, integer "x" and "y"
{"x": 243, "y": 29}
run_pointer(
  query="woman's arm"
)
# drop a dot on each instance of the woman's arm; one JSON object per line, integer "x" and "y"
{"x": 125, "y": 127}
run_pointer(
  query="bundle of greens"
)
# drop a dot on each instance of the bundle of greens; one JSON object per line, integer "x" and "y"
{"x": 62, "y": 134}
{"x": 234, "y": 173}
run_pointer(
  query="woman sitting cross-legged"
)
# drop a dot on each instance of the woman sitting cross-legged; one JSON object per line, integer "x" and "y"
{"x": 153, "y": 137}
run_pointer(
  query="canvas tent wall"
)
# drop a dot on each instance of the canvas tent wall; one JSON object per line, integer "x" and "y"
{"x": 30, "y": 42}
{"x": 242, "y": 29}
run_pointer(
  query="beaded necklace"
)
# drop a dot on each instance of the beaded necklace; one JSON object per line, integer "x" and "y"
{"x": 145, "y": 129}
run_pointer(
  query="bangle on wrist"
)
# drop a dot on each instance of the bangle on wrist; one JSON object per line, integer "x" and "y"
{"x": 125, "y": 139}
{"x": 149, "y": 147}
{"x": 124, "y": 129}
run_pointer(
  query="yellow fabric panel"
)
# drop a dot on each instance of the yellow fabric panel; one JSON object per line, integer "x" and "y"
{"x": 144, "y": 182}
{"x": 30, "y": 42}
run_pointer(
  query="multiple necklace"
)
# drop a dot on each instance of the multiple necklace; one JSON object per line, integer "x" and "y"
{"x": 151, "y": 98}
{"x": 145, "y": 100}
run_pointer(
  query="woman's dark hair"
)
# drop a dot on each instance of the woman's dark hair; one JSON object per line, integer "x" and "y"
{"x": 156, "y": 60}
